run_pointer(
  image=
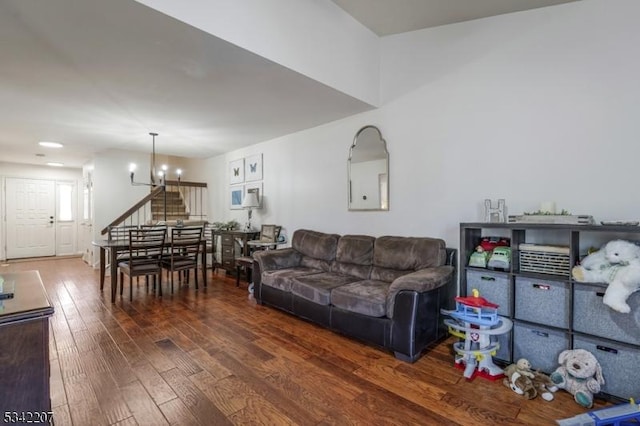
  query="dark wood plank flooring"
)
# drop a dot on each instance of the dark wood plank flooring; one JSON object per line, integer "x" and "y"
{"x": 215, "y": 357}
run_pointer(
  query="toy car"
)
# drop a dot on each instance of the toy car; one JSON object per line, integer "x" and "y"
{"x": 500, "y": 258}
{"x": 490, "y": 243}
{"x": 479, "y": 258}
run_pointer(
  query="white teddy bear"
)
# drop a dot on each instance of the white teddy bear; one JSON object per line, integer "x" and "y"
{"x": 618, "y": 264}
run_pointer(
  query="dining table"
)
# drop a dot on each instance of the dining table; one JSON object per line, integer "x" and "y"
{"x": 114, "y": 247}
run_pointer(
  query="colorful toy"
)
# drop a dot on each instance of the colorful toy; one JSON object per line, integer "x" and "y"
{"x": 618, "y": 264}
{"x": 480, "y": 258}
{"x": 475, "y": 320}
{"x": 500, "y": 258}
{"x": 616, "y": 416}
{"x": 579, "y": 374}
{"x": 522, "y": 380}
{"x": 490, "y": 243}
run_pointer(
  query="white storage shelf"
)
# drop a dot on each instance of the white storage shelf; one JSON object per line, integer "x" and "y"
{"x": 552, "y": 312}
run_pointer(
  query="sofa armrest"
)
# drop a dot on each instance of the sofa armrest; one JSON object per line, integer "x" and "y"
{"x": 421, "y": 281}
{"x": 277, "y": 259}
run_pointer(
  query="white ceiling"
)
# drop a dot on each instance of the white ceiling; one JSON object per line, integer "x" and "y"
{"x": 385, "y": 17}
{"x": 98, "y": 74}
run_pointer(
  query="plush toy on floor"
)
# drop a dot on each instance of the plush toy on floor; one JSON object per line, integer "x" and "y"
{"x": 520, "y": 379}
{"x": 579, "y": 374}
{"x": 618, "y": 264}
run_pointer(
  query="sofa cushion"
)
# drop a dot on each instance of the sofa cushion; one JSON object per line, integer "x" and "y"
{"x": 367, "y": 297}
{"x": 354, "y": 256}
{"x": 282, "y": 278}
{"x": 313, "y": 263}
{"x": 397, "y": 256}
{"x": 317, "y": 245}
{"x": 317, "y": 287}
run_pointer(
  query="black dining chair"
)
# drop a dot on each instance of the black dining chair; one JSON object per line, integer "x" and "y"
{"x": 120, "y": 233}
{"x": 184, "y": 253}
{"x": 146, "y": 247}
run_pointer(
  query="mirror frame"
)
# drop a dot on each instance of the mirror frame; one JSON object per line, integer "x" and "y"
{"x": 386, "y": 153}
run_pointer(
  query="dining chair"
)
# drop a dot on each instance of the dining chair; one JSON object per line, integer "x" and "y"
{"x": 184, "y": 253}
{"x": 269, "y": 234}
{"x": 211, "y": 245}
{"x": 120, "y": 233}
{"x": 146, "y": 247}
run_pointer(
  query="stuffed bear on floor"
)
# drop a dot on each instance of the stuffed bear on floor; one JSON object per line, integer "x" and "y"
{"x": 522, "y": 380}
{"x": 579, "y": 374}
{"x": 618, "y": 264}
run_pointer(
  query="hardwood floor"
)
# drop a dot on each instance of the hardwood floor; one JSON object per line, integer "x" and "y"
{"x": 214, "y": 357}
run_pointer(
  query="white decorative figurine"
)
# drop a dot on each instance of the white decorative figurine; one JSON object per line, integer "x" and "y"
{"x": 618, "y": 264}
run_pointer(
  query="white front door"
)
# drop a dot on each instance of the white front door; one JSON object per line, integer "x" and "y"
{"x": 30, "y": 207}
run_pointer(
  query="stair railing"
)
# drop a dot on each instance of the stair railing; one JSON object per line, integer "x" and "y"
{"x": 193, "y": 194}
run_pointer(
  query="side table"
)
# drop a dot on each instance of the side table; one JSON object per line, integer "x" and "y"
{"x": 246, "y": 263}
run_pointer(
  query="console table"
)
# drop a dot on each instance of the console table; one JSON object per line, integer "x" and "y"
{"x": 228, "y": 252}
{"x": 24, "y": 349}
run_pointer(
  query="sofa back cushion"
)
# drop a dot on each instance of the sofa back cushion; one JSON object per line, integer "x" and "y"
{"x": 354, "y": 256}
{"x": 397, "y": 256}
{"x": 317, "y": 248}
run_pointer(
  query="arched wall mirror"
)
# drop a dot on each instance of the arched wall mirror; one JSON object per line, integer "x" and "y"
{"x": 368, "y": 169}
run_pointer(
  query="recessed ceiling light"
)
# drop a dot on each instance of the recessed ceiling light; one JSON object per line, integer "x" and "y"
{"x": 47, "y": 144}
{"x": 55, "y": 164}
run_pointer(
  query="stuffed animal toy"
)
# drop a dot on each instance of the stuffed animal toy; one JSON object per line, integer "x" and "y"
{"x": 544, "y": 385}
{"x": 579, "y": 374}
{"x": 618, "y": 264}
{"x": 520, "y": 379}
{"x": 522, "y": 366}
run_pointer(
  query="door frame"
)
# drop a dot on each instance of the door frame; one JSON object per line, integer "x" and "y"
{"x": 3, "y": 211}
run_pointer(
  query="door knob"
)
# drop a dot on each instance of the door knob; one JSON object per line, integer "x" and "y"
{"x": 50, "y": 221}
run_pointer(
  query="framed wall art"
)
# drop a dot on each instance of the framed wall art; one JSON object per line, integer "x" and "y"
{"x": 255, "y": 187}
{"x": 236, "y": 195}
{"x": 253, "y": 168}
{"x": 236, "y": 171}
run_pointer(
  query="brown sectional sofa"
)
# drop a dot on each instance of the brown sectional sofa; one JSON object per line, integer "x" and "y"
{"x": 387, "y": 291}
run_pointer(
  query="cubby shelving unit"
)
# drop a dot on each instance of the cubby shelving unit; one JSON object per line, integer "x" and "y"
{"x": 553, "y": 312}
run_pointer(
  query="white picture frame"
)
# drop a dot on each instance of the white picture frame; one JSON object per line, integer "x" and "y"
{"x": 253, "y": 168}
{"x": 249, "y": 187}
{"x": 236, "y": 171}
{"x": 236, "y": 195}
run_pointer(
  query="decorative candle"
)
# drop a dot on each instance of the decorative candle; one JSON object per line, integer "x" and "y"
{"x": 548, "y": 207}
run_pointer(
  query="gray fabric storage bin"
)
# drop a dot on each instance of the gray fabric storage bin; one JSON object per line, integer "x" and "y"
{"x": 543, "y": 301}
{"x": 591, "y": 316}
{"x": 504, "y": 353}
{"x": 540, "y": 345}
{"x": 619, "y": 365}
{"x": 493, "y": 286}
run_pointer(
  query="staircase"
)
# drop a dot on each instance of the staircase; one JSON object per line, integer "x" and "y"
{"x": 176, "y": 209}
{"x": 186, "y": 202}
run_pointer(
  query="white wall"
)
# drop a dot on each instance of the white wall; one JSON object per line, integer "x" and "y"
{"x": 533, "y": 106}
{"x": 113, "y": 193}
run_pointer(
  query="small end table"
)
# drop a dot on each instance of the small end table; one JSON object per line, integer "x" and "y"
{"x": 246, "y": 263}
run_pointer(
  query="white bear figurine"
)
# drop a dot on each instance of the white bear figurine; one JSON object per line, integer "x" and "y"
{"x": 618, "y": 264}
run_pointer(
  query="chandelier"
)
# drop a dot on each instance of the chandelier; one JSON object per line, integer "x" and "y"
{"x": 162, "y": 174}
